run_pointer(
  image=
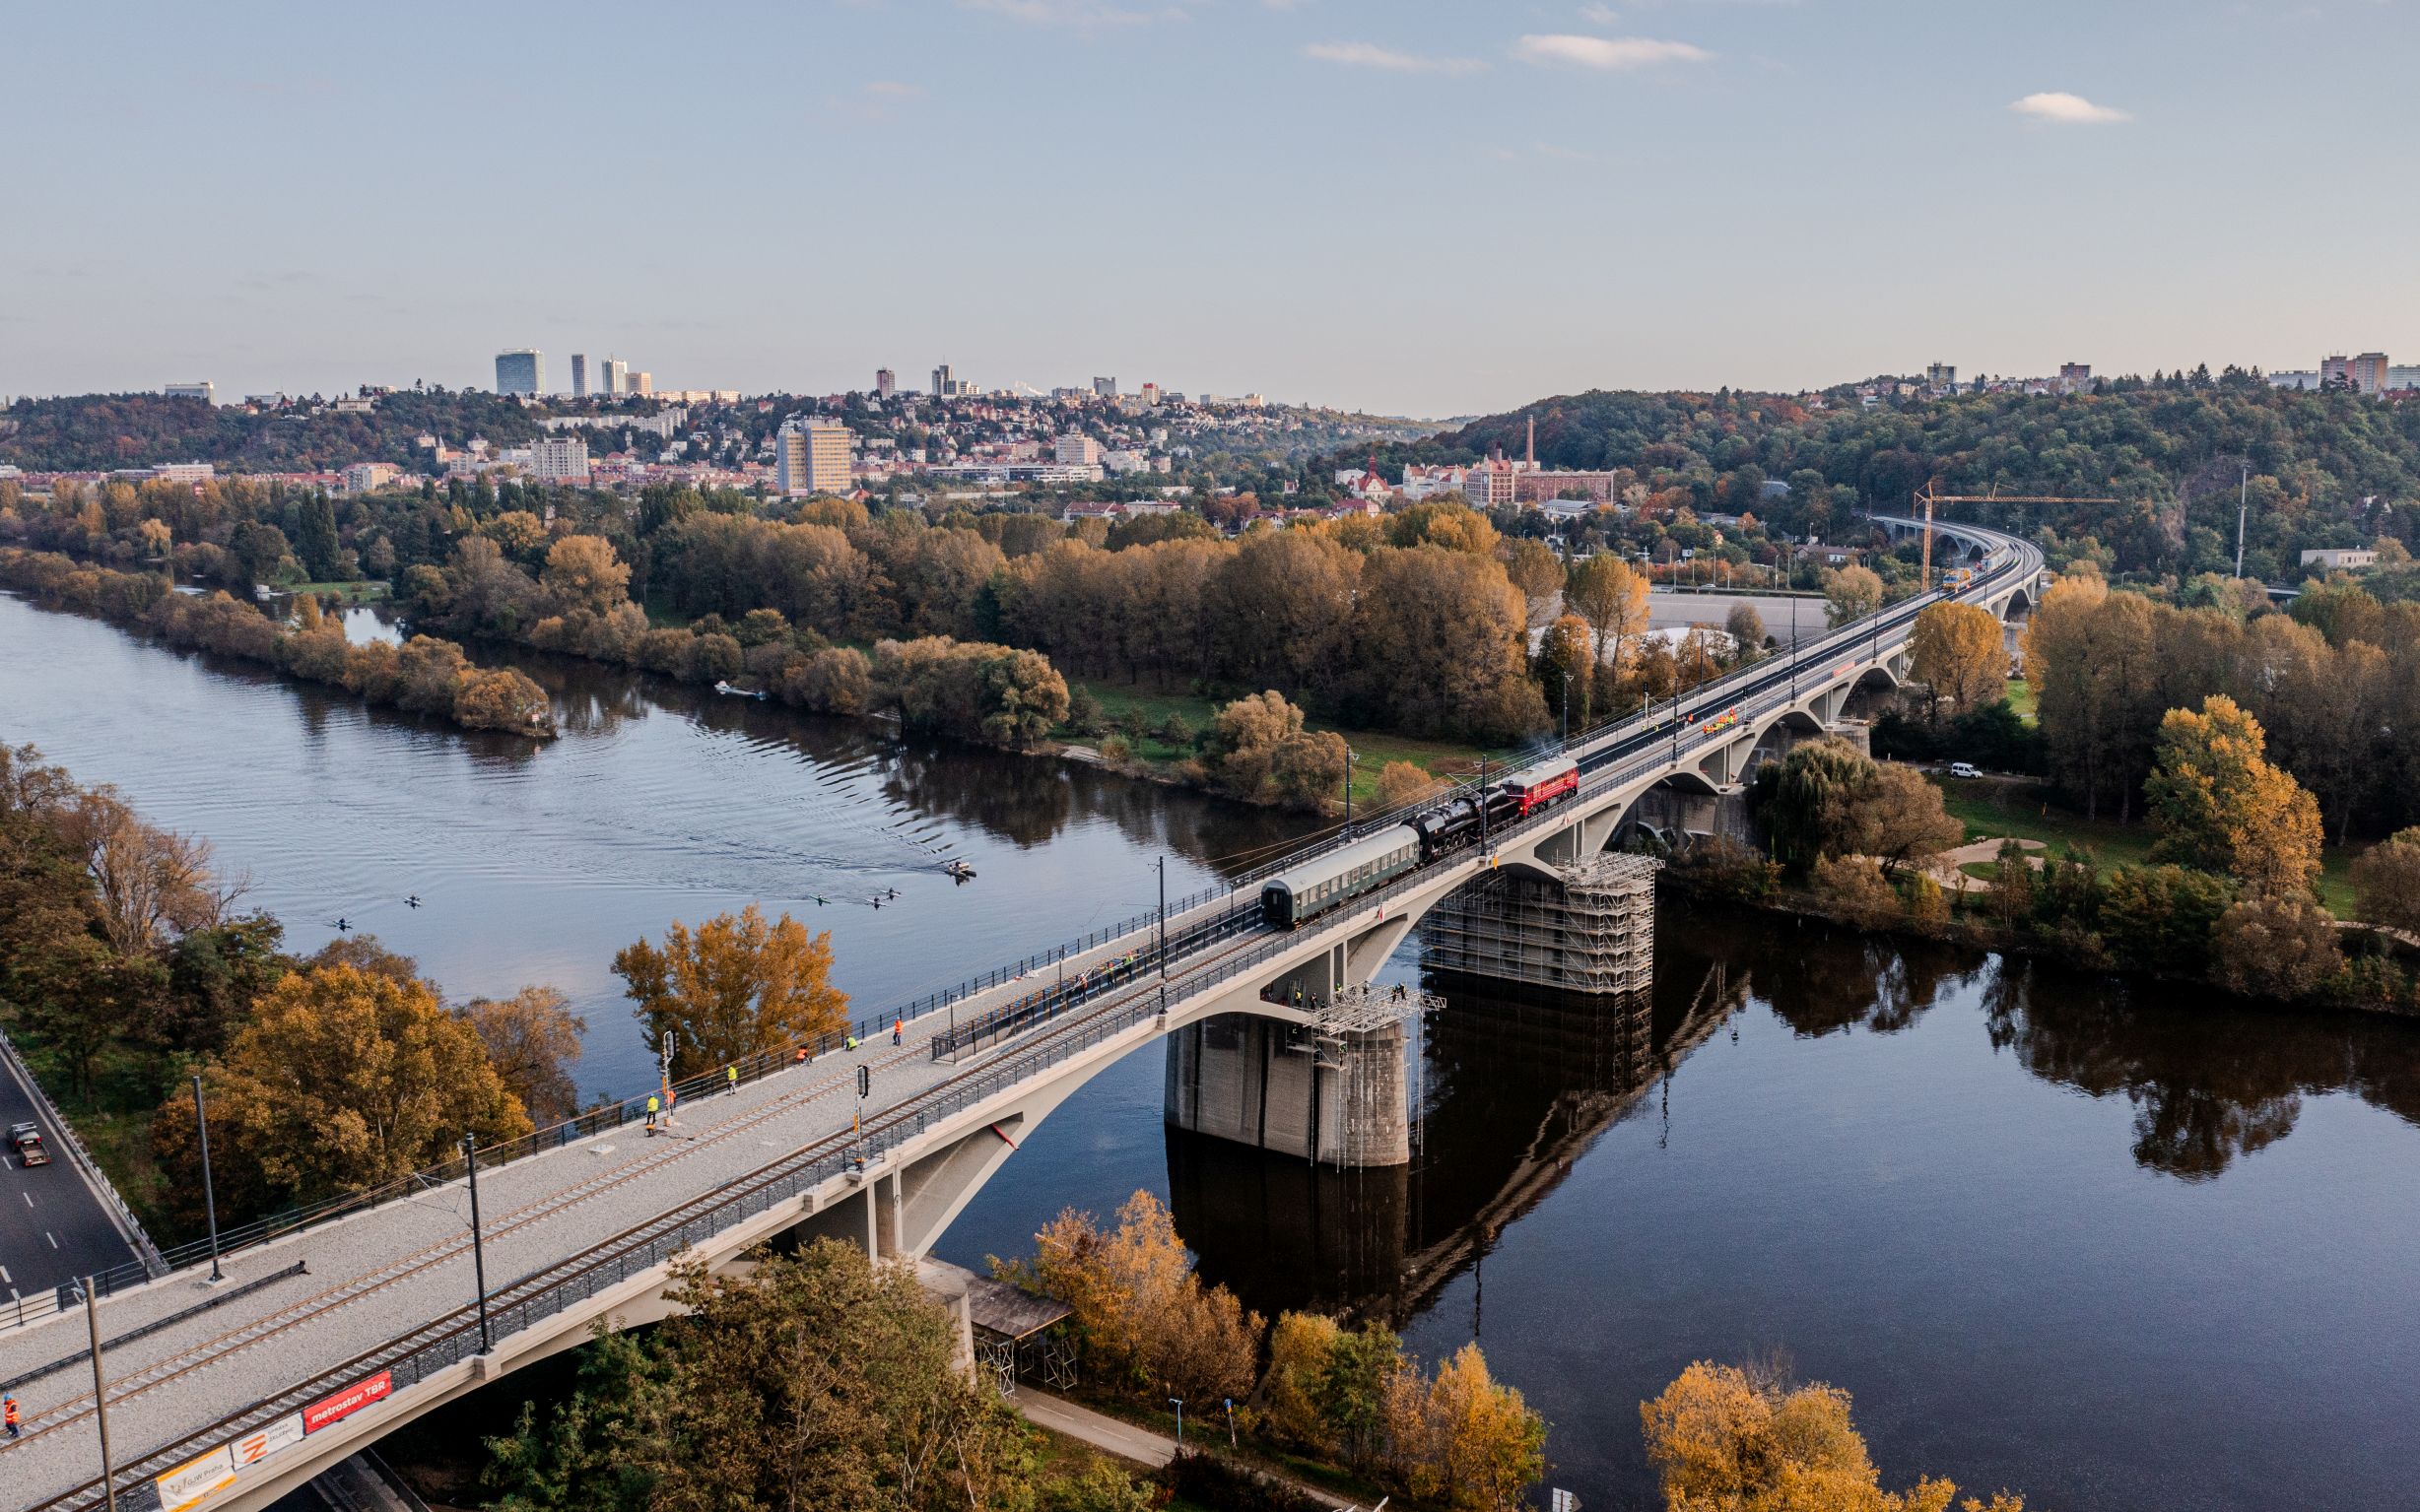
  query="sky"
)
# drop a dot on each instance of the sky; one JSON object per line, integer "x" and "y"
{"x": 1405, "y": 206}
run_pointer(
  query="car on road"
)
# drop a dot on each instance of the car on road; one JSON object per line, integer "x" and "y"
{"x": 27, "y": 1141}
{"x": 1962, "y": 769}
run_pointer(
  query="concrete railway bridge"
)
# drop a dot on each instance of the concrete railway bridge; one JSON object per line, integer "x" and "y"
{"x": 325, "y": 1338}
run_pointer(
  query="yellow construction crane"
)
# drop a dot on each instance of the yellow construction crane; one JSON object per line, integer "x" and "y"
{"x": 1929, "y": 497}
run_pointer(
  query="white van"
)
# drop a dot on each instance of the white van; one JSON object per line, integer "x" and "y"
{"x": 1962, "y": 769}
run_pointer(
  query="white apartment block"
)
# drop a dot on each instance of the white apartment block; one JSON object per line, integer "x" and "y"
{"x": 559, "y": 459}
{"x": 811, "y": 458}
{"x": 1076, "y": 451}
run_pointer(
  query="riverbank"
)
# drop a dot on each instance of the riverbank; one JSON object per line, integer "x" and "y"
{"x": 425, "y": 675}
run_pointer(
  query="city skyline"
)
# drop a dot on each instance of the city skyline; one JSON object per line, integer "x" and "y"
{"x": 1418, "y": 210}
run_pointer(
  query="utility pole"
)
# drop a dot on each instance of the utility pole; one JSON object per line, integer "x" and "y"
{"x": 2243, "y": 513}
{"x": 210, "y": 1200}
{"x": 100, "y": 1396}
{"x": 1481, "y": 801}
{"x": 1163, "y": 865}
{"x": 479, "y": 1258}
{"x": 1351, "y": 755}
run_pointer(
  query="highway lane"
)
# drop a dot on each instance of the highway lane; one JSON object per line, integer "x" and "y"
{"x": 53, "y": 1226}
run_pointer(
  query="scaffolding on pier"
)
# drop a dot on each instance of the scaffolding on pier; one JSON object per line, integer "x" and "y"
{"x": 1591, "y": 929}
{"x": 1359, "y": 1034}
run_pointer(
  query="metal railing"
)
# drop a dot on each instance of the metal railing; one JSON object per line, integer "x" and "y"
{"x": 148, "y": 1264}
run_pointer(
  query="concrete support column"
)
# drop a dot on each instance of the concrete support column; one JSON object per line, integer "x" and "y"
{"x": 1275, "y": 1087}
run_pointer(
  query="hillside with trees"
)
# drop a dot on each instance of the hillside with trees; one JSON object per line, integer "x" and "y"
{"x": 96, "y": 432}
{"x": 2328, "y": 469}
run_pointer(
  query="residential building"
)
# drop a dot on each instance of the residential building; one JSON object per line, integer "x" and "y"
{"x": 1151, "y": 395}
{"x": 811, "y": 456}
{"x": 2340, "y": 559}
{"x": 948, "y": 385}
{"x": 2403, "y": 377}
{"x": 641, "y": 383}
{"x": 2336, "y": 371}
{"x": 202, "y": 391}
{"x": 612, "y": 379}
{"x": 366, "y": 477}
{"x": 559, "y": 459}
{"x": 2074, "y": 377}
{"x": 523, "y": 371}
{"x": 579, "y": 375}
{"x": 1104, "y": 388}
{"x": 2307, "y": 377}
{"x": 1940, "y": 377}
{"x": 182, "y": 472}
{"x": 2368, "y": 373}
{"x": 1078, "y": 451}
{"x": 886, "y": 383}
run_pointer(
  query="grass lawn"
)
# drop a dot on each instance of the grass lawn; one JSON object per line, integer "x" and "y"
{"x": 1444, "y": 758}
{"x": 1994, "y": 808}
{"x": 2021, "y": 698}
{"x": 367, "y": 592}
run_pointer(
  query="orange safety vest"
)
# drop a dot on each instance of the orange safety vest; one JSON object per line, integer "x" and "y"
{"x": 12, "y": 1411}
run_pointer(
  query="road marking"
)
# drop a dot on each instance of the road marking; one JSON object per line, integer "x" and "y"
{"x": 29, "y": 1197}
{"x": 6, "y": 1280}
{"x": 53, "y": 1238}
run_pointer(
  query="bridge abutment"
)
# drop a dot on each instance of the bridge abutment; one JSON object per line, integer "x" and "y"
{"x": 1333, "y": 1093}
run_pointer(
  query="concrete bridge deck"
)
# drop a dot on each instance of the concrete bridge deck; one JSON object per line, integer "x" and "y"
{"x": 382, "y": 1328}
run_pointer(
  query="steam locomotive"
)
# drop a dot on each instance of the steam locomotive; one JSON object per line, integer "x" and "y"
{"x": 1313, "y": 889}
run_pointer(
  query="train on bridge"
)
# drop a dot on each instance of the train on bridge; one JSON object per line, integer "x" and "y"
{"x": 1335, "y": 879}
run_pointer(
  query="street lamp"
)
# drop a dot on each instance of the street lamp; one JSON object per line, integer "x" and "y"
{"x": 479, "y": 1259}
{"x": 1179, "y": 1404}
{"x": 210, "y": 1200}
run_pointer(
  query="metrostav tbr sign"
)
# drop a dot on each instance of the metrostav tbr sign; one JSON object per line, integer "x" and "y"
{"x": 346, "y": 1403}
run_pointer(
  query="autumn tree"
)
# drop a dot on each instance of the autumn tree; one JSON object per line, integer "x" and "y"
{"x": 1850, "y": 593}
{"x": 1309, "y": 769}
{"x": 532, "y": 1039}
{"x": 1534, "y": 570}
{"x": 1146, "y": 1323}
{"x": 1566, "y": 654}
{"x": 1613, "y": 598}
{"x": 1896, "y": 816}
{"x": 2223, "y": 808}
{"x": 1440, "y": 646}
{"x": 582, "y": 574}
{"x": 342, "y": 1080}
{"x": 2276, "y": 945}
{"x": 819, "y": 1383}
{"x": 736, "y": 987}
{"x": 1958, "y": 654}
{"x": 1241, "y": 749}
{"x": 1746, "y": 628}
{"x": 1443, "y": 522}
{"x": 1464, "y": 1440}
{"x": 1722, "y": 1437}
{"x": 1403, "y": 783}
{"x": 2387, "y": 880}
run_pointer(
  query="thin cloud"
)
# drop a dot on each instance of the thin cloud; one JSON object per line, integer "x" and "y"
{"x": 1606, "y": 53}
{"x": 1597, "y": 15}
{"x": 891, "y": 89}
{"x": 1079, "y": 14}
{"x": 2064, "y": 109}
{"x": 1371, "y": 55}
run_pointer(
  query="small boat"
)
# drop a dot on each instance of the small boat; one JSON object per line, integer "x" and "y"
{"x": 734, "y": 690}
{"x": 960, "y": 869}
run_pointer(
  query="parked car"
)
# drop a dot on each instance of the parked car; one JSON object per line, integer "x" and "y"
{"x": 1962, "y": 769}
{"x": 27, "y": 1141}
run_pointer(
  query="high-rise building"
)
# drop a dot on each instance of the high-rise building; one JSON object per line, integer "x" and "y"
{"x": 559, "y": 459}
{"x": 521, "y": 370}
{"x": 1078, "y": 451}
{"x": 579, "y": 375}
{"x": 1940, "y": 377}
{"x": 1151, "y": 393}
{"x": 614, "y": 379}
{"x": 811, "y": 456}
{"x": 2336, "y": 371}
{"x": 202, "y": 391}
{"x": 2368, "y": 373}
{"x": 2403, "y": 377}
{"x": 945, "y": 382}
{"x": 641, "y": 383}
{"x": 886, "y": 383}
{"x": 2074, "y": 377}
{"x": 1105, "y": 388}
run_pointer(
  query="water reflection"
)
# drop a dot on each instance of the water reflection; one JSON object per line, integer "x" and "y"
{"x": 2210, "y": 1082}
{"x": 1515, "y": 1087}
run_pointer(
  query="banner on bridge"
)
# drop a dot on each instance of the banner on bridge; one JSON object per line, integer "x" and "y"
{"x": 189, "y": 1482}
{"x": 346, "y": 1403}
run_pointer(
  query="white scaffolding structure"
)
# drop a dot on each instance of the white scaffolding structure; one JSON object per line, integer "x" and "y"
{"x": 1358, "y": 1034}
{"x": 1591, "y": 929}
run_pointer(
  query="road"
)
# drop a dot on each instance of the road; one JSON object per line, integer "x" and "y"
{"x": 57, "y": 1227}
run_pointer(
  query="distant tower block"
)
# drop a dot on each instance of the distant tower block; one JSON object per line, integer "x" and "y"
{"x": 1591, "y": 930}
{"x": 1335, "y": 1091}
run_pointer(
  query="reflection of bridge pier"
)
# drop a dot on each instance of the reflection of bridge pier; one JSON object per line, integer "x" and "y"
{"x": 1518, "y": 1084}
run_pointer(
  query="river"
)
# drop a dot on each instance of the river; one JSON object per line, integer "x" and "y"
{"x": 2107, "y": 1247}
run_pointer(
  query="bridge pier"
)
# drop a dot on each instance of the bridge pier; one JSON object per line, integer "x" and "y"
{"x": 1588, "y": 928}
{"x": 1332, "y": 1093}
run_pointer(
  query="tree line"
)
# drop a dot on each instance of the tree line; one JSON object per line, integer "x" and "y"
{"x": 423, "y": 675}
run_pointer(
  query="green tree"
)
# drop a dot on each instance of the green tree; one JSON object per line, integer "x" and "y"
{"x": 2386, "y": 878}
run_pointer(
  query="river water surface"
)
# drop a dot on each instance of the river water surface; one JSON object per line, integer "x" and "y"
{"x": 2105, "y": 1248}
